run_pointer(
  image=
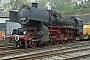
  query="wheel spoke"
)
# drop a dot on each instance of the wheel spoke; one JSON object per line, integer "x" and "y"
{"x": 56, "y": 42}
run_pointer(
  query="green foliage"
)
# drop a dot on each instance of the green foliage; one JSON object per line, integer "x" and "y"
{"x": 83, "y": 8}
{"x": 16, "y": 4}
{"x": 42, "y": 3}
{"x": 65, "y": 7}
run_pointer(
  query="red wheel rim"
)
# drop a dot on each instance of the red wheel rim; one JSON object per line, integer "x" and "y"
{"x": 32, "y": 44}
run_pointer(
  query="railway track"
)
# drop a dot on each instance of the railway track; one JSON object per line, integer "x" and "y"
{"x": 6, "y": 49}
{"x": 65, "y": 55}
{"x": 2, "y": 49}
{"x": 11, "y": 47}
{"x": 4, "y": 43}
{"x": 18, "y": 54}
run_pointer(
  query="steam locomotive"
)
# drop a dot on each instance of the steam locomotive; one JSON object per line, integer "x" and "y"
{"x": 41, "y": 27}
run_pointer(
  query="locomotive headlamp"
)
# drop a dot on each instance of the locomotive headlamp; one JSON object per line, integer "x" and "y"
{"x": 24, "y": 32}
{"x": 16, "y": 38}
{"x": 11, "y": 33}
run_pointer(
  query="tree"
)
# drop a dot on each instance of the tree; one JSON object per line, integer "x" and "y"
{"x": 16, "y": 4}
{"x": 42, "y": 3}
{"x": 62, "y": 6}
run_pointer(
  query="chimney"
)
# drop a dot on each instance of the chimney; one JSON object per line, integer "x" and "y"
{"x": 35, "y": 5}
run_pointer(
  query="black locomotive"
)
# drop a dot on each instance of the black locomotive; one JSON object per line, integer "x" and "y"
{"x": 44, "y": 27}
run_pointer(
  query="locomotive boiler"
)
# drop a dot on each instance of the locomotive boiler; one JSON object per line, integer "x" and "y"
{"x": 40, "y": 27}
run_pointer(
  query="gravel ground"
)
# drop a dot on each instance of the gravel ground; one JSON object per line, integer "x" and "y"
{"x": 62, "y": 57}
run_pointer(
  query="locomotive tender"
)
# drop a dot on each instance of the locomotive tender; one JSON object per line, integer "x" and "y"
{"x": 40, "y": 27}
